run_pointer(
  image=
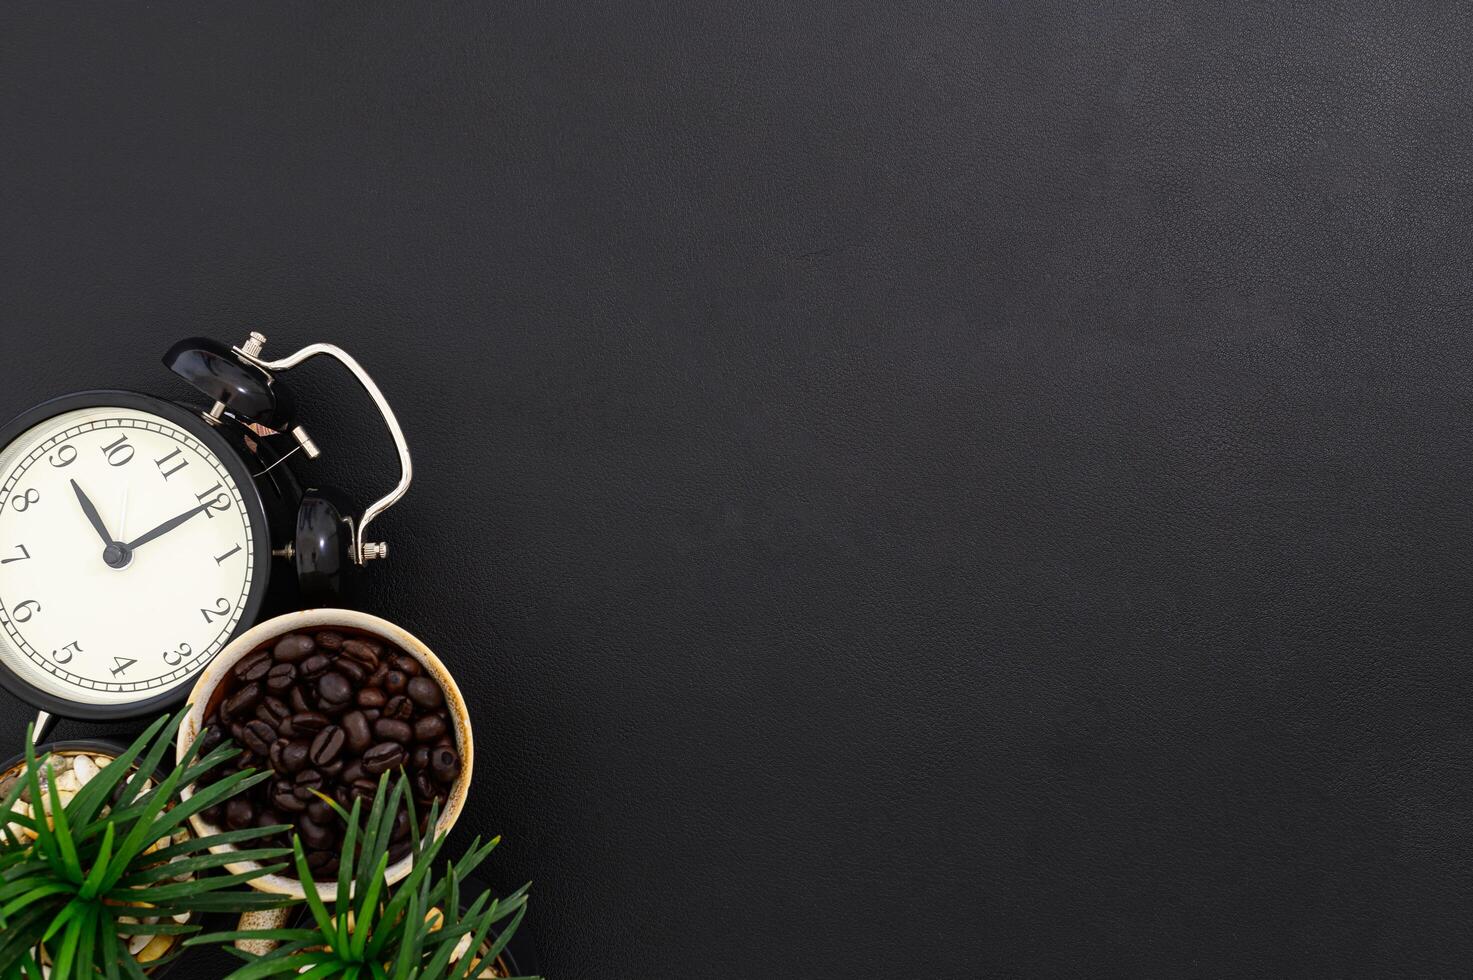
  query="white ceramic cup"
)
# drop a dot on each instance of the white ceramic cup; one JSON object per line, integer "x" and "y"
{"x": 316, "y": 620}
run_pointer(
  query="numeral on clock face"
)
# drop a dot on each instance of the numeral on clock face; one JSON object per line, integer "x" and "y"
{"x": 118, "y": 452}
{"x": 220, "y": 560}
{"x": 221, "y": 607}
{"x": 26, "y": 501}
{"x": 121, "y": 665}
{"x": 217, "y": 498}
{"x": 65, "y": 456}
{"x": 24, "y": 554}
{"x": 170, "y": 470}
{"x": 175, "y": 657}
{"x": 30, "y": 607}
{"x": 66, "y": 653}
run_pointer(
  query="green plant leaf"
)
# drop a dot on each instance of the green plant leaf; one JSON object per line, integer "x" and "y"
{"x": 369, "y": 908}
{"x": 168, "y": 869}
{"x": 346, "y": 855}
{"x": 271, "y": 966}
{"x": 93, "y": 882}
{"x": 309, "y": 887}
{"x": 274, "y": 935}
{"x": 40, "y": 891}
{"x": 193, "y": 844}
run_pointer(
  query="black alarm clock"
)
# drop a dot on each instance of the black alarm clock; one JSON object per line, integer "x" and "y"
{"x": 139, "y": 536}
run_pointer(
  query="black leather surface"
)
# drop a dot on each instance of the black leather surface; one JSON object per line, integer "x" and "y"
{"x": 937, "y": 490}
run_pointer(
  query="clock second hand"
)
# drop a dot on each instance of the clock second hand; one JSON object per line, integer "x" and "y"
{"x": 123, "y": 514}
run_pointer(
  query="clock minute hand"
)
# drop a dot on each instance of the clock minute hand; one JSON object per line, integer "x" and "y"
{"x": 166, "y": 527}
{"x": 95, "y": 518}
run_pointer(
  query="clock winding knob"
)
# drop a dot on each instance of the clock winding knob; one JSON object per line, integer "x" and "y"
{"x": 254, "y": 344}
{"x": 375, "y": 549}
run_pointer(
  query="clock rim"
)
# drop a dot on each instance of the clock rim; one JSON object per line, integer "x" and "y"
{"x": 250, "y": 496}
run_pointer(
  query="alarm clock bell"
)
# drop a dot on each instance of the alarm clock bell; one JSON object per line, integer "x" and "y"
{"x": 327, "y": 545}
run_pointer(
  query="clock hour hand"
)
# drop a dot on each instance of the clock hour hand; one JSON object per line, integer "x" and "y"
{"x": 166, "y": 527}
{"x": 90, "y": 510}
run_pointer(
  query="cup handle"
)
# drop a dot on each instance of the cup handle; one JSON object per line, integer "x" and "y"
{"x": 261, "y": 919}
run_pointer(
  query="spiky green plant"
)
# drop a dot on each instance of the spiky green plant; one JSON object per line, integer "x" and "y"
{"x": 375, "y": 932}
{"x": 65, "y": 884}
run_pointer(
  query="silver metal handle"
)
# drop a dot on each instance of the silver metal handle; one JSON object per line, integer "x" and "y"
{"x": 362, "y": 551}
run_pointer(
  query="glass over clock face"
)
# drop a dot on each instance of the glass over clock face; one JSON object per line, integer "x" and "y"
{"x": 132, "y": 549}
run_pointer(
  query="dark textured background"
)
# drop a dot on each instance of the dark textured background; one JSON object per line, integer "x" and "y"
{"x": 929, "y": 490}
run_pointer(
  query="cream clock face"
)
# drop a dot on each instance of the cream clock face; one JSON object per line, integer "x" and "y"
{"x": 127, "y": 555}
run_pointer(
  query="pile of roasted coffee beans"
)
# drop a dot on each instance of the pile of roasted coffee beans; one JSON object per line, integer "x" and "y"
{"x": 329, "y": 712}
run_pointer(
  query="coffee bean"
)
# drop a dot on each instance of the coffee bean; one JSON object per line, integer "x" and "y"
{"x": 210, "y": 738}
{"x": 426, "y": 693}
{"x": 239, "y": 813}
{"x": 314, "y": 834}
{"x": 420, "y": 757}
{"x": 352, "y": 772}
{"x": 314, "y": 665}
{"x": 258, "y": 736}
{"x": 327, "y": 746}
{"x": 275, "y": 754}
{"x": 351, "y": 669}
{"x": 306, "y": 785}
{"x": 355, "y": 727}
{"x": 399, "y": 708}
{"x": 280, "y": 677}
{"x": 310, "y": 722}
{"x": 213, "y": 814}
{"x": 401, "y": 825}
{"x": 364, "y": 789}
{"x": 392, "y": 730}
{"x": 299, "y": 700}
{"x": 268, "y": 818}
{"x": 242, "y": 701}
{"x": 253, "y": 666}
{"x": 273, "y": 711}
{"x": 395, "y": 682}
{"x": 445, "y": 763}
{"x": 423, "y": 786}
{"x": 371, "y": 697}
{"x": 406, "y": 665}
{"x": 235, "y": 728}
{"x": 294, "y": 757}
{"x": 283, "y": 798}
{"x": 331, "y": 770}
{"x": 429, "y": 728}
{"x": 372, "y": 714}
{"x": 383, "y": 757}
{"x": 319, "y": 811}
{"x": 329, "y": 640}
{"x": 363, "y": 652}
{"x": 318, "y": 861}
{"x": 333, "y": 689}
{"x": 293, "y": 647}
